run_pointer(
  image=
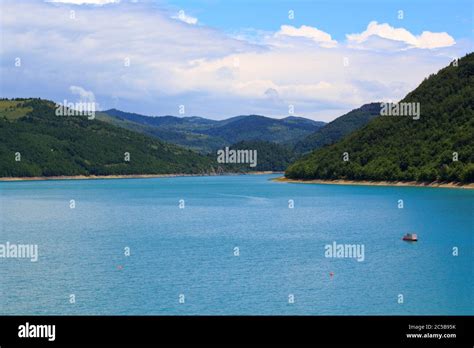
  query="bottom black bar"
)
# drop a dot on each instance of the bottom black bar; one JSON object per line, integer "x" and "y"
{"x": 141, "y": 330}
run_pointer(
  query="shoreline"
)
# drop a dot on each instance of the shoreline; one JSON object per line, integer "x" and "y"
{"x": 377, "y": 183}
{"x": 127, "y": 176}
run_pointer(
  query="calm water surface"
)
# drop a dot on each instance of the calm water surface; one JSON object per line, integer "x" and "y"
{"x": 190, "y": 251}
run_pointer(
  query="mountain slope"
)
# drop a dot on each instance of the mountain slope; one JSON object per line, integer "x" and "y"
{"x": 401, "y": 148}
{"x": 340, "y": 127}
{"x": 52, "y": 145}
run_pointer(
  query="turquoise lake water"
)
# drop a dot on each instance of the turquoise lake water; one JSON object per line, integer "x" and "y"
{"x": 191, "y": 251}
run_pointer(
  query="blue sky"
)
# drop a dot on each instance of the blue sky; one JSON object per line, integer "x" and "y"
{"x": 224, "y": 58}
{"x": 337, "y": 17}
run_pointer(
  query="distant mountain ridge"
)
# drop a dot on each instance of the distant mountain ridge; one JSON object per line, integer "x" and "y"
{"x": 205, "y": 135}
{"x": 166, "y": 120}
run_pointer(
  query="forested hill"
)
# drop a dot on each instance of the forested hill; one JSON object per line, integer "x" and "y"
{"x": 36, "y": 142}
{"x": 439, "y": 146}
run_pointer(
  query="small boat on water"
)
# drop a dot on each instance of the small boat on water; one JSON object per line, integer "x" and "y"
{"x": 410, "y": 237}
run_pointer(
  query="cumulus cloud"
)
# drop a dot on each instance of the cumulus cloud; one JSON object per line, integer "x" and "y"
{"x": 182, "y": 16}
{"x": 84, "y": 96}
{"x": 318, "y": 36}
{"x": 427, "y": 39}
{"x": 147, "y": 62}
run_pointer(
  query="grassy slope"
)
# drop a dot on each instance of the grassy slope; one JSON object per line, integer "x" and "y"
{"x": 13, "y": 109}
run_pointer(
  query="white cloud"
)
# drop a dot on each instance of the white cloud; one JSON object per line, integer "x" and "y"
{"x": 85, "y": 96}
{"x": 182, "y": 16}
{"x": 85, "y": 2}
{"x": 319, "y": 36}
{"x": 212, "y": 74}
{"x": 426, "y": 40}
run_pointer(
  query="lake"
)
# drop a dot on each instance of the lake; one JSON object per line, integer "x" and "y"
{"x": 231, "y": 245}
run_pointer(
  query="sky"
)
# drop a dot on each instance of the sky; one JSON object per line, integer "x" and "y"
{"x": 222, "y": 58}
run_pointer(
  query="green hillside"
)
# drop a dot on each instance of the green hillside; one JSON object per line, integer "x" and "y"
{"x": 52, "y": 145}
{"x": 401, "y": 148}
{"x": 339, "y": 128}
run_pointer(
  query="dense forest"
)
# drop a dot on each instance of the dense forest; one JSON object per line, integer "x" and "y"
{"x": 36, "y": 142}
{"x": 439, "y": 146}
